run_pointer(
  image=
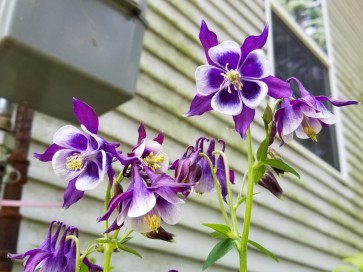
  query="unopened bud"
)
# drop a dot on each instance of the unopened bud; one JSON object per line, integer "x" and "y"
{"x": 269, "y": 182}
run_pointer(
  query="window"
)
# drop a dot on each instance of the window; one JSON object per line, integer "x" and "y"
{"x": 292, "y": 57}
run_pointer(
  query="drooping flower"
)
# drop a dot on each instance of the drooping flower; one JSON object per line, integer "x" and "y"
{"x": 150, "y": 199}
{"x": 186, "y": 169}
{"x": 80, "y": 157}
{"x": 194, "y": 168}
{"x": 269, "y": 182}
{"x": 306, "y": 115}
{"x": 56, "y": 253}
{"x": 236, "y": 79}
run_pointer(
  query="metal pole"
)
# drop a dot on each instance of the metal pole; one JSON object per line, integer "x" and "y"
{"x": 10, "y": 217}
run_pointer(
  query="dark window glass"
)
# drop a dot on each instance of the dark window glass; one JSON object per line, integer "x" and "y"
{"x": 292, "y": 58}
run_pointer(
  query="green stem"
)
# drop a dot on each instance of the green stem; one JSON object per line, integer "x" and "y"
{"x": 76, "y": 241}
{"x": 218, "y": 189}
{"x": 248, "y": 210}
{"x": 107, "y": 247}
{"x": 243, "y": 185}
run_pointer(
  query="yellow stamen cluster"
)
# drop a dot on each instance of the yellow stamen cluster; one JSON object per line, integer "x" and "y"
{"x": 153, "y": 161}
{"x": 153, "y": 222}
{"x": 232, "y": 77}
{"x": 74, "y": 162}
{"x": 310, "y": 132}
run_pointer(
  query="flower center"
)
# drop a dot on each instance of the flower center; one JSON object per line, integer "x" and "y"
{"x": 74, "y": 162}
{"x": 232, "y": 77}
{"x": 153, "y": 161}
{"x": 153, "y": 222}
{"x": 309, "y": 130}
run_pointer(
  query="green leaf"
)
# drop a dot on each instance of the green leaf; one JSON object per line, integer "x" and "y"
{"x": 218, "y": 251}
{"x": 282, "y": 166}
{"x": 224, "y": 229}
{"x": 344, "y": 268}
{"x": 262, "y": 150}
{"x": 267, "y": 115}
{"x": 218, "y": 235}
{"x": 129, "y": 250}
{"x": 264, "y": 250}
{"x": 103, "y": 241}
{"x": 259, "y": 173}
{"x": 356, "y": 260}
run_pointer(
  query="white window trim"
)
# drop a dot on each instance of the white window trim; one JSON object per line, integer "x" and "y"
{"x": 328, "y": 61}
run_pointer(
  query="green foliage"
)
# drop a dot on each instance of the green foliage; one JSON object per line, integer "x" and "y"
{"x": 282, "y": 166}
{"x": 262, "y": 150}
{"x": 218, "y": 251}
{"x": 264, "y": 250}
{"x": 224, "y": 230}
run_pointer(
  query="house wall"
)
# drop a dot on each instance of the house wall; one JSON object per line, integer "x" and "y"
{"x": 320, "y": 219}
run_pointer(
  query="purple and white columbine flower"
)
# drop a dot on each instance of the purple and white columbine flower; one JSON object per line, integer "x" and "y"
{"x": 80, "y": 157}
{"x": 149, "y": 200}
{"x": 56, "y": 253}
{"x": 236, "y": 80}
{"x": 146, "y": 151}
{"x": 306, "y": 115}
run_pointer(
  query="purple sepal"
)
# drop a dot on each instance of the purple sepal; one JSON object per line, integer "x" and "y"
{"x": 243, "y": 121}
{"x": 48, "y": 153}
{"x": 85, "y": 115}
{"x": 200, "y": 105}
{"x": 91, "y": 266}
{"x": 208, "y": 39}
{"x": 71, "y": 194}
{"x": 277, "y": 88}
{"x": 253, "y": 42}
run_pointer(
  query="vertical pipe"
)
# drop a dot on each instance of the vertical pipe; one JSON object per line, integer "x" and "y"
{"x": 6, "y": 112}
{"x": 10, "y": 217}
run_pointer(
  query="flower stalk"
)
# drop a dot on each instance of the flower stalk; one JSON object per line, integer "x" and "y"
{"x": 248, "y": 209}
{"x": 218, "y": 189}
{"x": 78, "y": 251}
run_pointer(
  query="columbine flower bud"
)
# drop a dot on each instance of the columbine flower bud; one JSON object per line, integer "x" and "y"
{"x": 270, "y": 183}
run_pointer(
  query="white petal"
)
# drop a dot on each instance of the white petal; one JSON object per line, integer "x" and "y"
{"x": 208, "y": 79}
{"x": 227, "y": 52}
{"x": 59, "y": 163}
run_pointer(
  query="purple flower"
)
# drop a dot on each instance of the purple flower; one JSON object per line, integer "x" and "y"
{"x": 305, "y": 115}
{"x": 269, "y": 182}
{"x": 194, "y": 168}
{"x": 146, "y": 151}
{"x": 55, "y": 253}
{"x": 150, "y": 199}
{"x": 186, "y": 169}
{"x": 80, "y": 157}
{"x": 236, "y": 79}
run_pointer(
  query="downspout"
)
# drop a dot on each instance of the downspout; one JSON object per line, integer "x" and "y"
{"x": 10, "y": 217}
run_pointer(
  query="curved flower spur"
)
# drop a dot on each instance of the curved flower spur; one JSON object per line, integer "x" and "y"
{"x": 236, "y": 79}
{"x": 80, "y": 157}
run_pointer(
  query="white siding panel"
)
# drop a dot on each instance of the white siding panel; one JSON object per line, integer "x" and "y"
{"x": 320, "y": 220}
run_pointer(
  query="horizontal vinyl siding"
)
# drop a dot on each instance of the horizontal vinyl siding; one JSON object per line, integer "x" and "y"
{"x": 320, "y": 219}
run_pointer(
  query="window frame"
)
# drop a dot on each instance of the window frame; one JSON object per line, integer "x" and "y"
{"x": 327, "y": 60}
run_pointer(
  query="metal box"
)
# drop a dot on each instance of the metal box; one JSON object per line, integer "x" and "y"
{"x": 53, "y": 50}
